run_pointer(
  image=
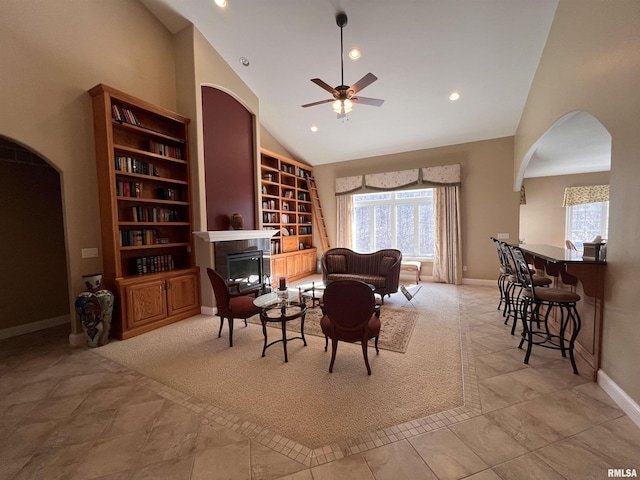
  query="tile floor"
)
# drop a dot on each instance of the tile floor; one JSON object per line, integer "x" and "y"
{"x": 71, "y": 414}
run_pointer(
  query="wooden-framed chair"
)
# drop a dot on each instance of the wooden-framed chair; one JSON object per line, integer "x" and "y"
{"x": 350, "y": 315}
{"x": 231, "y": 305}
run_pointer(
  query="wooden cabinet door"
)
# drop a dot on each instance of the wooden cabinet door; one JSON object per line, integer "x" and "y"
{"x": 182, "y": 294}
{"x": 147, "y": 303}
{"x": 294, "y": 265}
{"x": 309, "y": 262}
{"x": 278, "y": 269}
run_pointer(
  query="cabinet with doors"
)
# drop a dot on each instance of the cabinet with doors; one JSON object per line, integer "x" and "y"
{"x": 286, "y": 207}
{"x": 144, "y": 191}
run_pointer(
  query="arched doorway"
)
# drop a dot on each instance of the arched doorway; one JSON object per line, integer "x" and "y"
{"x": 33, "y": 278}
{"x": 574, "y": 152}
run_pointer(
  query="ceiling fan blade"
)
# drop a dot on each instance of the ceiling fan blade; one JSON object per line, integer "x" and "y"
{"x": 329, "y": 100}
{"x": 376, "y": 102}
{"x": 365, "y": 81}
{"x": 325, "y": 85}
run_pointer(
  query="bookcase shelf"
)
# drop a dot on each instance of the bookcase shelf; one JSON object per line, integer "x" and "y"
{"x": 286, "y": 207}
{"x": 144, "y": 187}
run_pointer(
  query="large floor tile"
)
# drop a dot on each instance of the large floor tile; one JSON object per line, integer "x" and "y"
{"x": 353, "y": 467}
{"x": 267, "y": 464}
{"x": 525, "y": 428}
{"x": 398, "y": 461}
{"x": 527, "y": 467}
{"x": 446, "y": 455}
{"x": 490, "y": 442}
{"x": 231, "y": 462}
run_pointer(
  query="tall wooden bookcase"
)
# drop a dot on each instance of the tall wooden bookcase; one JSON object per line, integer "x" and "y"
{"x": 142, "y": 159}
{"x": 286, "y": 207}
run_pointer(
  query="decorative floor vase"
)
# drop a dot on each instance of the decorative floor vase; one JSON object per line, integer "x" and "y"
{"x": 94, "y": 308}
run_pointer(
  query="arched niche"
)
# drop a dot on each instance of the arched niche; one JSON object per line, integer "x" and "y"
{"x": 229, "y": 159}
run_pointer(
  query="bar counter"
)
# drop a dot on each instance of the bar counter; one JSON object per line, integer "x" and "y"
{"x": 590, "y": 287}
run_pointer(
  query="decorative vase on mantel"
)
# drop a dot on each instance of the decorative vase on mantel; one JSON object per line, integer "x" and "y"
{"x": 237, "y": 221}
{"x": 94, "y": 308}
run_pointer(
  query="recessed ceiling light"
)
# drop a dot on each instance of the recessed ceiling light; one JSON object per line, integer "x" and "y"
{"x": 354, "y": 54}
{"x": 314, "y": 128}
{"x": 221, "y": 3}
{"x": 454, "y": 96}
{"x": 244, "y": 61}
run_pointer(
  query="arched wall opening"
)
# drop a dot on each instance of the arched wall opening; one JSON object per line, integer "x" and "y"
{"x": 573, "y": 152}
{"x": 34, "y": 287}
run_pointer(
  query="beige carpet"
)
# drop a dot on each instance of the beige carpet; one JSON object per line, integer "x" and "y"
{"x": 301, "y": 399}
{"x": 397, "y": 327}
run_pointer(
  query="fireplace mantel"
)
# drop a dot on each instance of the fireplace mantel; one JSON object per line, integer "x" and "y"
{"x": 231, "y": 235}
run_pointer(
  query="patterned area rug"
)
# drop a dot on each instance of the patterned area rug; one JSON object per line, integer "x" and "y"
{"x": 397, "y": 327}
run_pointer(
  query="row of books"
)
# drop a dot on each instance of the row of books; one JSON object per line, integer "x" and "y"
{"x": 152, "y": 264}
{"x": 303, "y": 219}
{"x": 133, "y": 165}
{"x": 269, "y": 217}
{"x": 174, "y": 194}
{"x": 304, "y": 197}
{"x": 146, "y": 236}
{"x": 124, "y": 115}
{"x": 154, "y": 214}
{"x": 166, "y": 150}
{"x": 304, "y": 230}
{"x": 303, "y": 208}
{"x": 275, "y": 248}
{"x": 269, "y": 204}
{"x": 129, "y": 189}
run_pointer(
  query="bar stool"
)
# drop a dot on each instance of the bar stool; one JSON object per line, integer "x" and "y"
{"x": 502, "y": 276}
{"x": 533, "y": 298}
{"x": 515, "y": 286}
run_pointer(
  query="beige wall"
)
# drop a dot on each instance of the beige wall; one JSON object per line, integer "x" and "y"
{"x": 55, "y": 52}
{"x": 488, "y": 203}
{"x": 543, "y": 218}
{"x": 591, "y": 63}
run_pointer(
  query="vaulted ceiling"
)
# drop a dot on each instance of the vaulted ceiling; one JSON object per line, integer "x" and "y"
{"x": 420, "y": 50}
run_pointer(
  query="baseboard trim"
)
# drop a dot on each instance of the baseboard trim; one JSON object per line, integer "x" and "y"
{"x": 479, "y": 281}
{"x": 78, "y": 339}
{"x": 33, "y": 326}
{"x": 208, "y": 310}
{"x": 624, "y": 401}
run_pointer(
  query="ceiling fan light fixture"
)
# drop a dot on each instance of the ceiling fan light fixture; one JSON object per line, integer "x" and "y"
{"x": 348, "y": 105}
{"x": 354, "y": 54}
{"x": 337, "y": 106}
{"x": 454, "y": 96}
{"x": 221, "y": 3}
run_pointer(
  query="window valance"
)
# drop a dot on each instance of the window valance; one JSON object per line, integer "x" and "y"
{"x": 586, "y": 194}
{"x": 426, "y": 177}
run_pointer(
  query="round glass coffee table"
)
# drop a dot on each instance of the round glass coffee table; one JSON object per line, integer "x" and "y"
{"x": 281, "y": 307}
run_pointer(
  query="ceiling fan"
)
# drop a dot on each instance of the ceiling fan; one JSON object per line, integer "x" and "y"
{"x": 343, "y": 96}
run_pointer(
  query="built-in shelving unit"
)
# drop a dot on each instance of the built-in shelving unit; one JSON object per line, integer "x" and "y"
{"x": 142, "y": 158}
{"x": 286, "y": 208}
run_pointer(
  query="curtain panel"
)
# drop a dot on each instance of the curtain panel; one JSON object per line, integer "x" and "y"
{"x": 447, "y": 259}
{"x": 586, "y": 194}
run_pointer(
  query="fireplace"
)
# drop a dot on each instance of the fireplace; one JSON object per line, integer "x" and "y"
{"x": 245, "y": 269}
{"x": 244, "y": 245}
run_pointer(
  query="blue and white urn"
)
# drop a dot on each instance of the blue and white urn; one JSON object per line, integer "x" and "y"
{"x": 94, "y": 308}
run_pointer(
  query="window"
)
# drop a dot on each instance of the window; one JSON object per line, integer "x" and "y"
{"x": 401, "y": 219}
{"x": 586, "y": 221}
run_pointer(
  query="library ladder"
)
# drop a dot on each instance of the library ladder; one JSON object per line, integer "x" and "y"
{"x": 318, "y": 217}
